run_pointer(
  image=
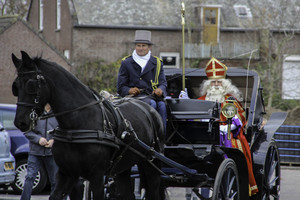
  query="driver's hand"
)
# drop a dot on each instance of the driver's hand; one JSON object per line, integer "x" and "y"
{"x": 134, "y": 91}
{"x": 157, "y": 92}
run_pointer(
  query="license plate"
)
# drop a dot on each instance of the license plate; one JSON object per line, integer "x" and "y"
{"x": 8, "y": 166}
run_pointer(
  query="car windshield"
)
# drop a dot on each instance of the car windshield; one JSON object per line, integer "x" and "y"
{"x": 7, "y": 119}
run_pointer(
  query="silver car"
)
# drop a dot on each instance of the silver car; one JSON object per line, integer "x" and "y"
{"x": 7, "y": 161}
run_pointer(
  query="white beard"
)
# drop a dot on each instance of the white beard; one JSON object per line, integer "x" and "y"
{"x": 215, "y": 93}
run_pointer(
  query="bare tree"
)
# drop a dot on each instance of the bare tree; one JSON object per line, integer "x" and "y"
{"x": 14, "y": 7}
{"x": 276, "y": 22}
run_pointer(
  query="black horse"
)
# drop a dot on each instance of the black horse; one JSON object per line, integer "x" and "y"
{"x": 95, "y": 138}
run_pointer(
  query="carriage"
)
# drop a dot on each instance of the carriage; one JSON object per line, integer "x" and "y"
{"x": 192, "y": 155}
{"x": 212, "y": 171}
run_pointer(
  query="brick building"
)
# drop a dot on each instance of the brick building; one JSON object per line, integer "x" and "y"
{"x": 85, "y": 30}
{"x": 17, "y": 35}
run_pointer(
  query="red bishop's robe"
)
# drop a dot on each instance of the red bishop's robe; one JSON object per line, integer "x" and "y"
{"x": 241, "y": 143}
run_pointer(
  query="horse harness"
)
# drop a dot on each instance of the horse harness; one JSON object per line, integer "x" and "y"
{"x": 121, "y": 138}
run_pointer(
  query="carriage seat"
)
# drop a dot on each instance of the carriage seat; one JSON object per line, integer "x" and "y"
{"x": 193, "y": 109}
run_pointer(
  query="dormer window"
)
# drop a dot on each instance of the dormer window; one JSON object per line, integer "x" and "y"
{"x": 242, "y": 11}
{"x": 296, "y": 11}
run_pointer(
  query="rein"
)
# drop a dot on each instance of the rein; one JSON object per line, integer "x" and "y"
{"x": 45, "y": 116}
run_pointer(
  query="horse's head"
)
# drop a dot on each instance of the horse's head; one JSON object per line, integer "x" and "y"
{"x": 31, "y": 89}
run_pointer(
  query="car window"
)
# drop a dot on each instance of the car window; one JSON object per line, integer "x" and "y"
{"x": 7, "y": 119}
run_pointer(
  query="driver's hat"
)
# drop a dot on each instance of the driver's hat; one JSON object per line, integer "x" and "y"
{"x": 215, "y": 69}
{"x": 143, "y": 37}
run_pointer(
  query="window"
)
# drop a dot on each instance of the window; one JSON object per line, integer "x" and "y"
{"x": 58, "y": 11}
{"x": 67, "y": 53}
{"x": 7, "y": 119}
{"x": 242, "y": 11}
{"x": 41, "y": 15}
{"x": 296, "y": 11}
{"x": 170, "y": 60}
{"x": 210, "y": 16}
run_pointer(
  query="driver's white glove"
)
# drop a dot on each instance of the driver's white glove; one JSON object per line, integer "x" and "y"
{"x": 183, "y": 94}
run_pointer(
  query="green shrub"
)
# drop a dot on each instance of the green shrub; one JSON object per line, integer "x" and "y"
{"x": 99, "y": 76}
{"x": 283, "y": 104}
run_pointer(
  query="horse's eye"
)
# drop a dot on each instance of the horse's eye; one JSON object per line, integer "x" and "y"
{"x": 31, "y": 86}
{"x": 15, "y": 89}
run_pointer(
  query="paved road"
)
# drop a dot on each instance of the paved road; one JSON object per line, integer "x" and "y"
{"x": 290, "y": 188}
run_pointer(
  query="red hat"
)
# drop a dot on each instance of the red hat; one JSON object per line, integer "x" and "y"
{"x": 215, "y": 69}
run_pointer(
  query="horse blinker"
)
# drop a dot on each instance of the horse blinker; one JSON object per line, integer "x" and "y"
{"x": 31, "y": 86}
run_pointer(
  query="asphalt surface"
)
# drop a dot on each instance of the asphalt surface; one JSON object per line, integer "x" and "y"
{"x": 290, "y": 185}
{"x": 290, "y": 188}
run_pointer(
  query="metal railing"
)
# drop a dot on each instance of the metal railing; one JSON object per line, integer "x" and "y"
{"x": 221, "y": 50}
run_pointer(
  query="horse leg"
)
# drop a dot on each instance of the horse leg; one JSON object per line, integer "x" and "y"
{"x": 64, "y": 185}
{"x": 123, "y": 186}
{"x": 77, "y": 191}
{"x": 97, "y": 189}
{"x": 151, "y": 180}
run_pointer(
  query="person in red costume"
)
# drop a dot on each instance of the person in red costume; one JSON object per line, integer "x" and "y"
{"x": 218, "y": 88}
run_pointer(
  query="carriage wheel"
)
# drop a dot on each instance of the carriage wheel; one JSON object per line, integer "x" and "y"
{"x": 271, "y": 180}
{"x": 226, "y": 184}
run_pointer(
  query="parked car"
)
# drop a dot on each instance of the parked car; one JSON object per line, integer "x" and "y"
{"x": 19, "y": 149}
{"x": 7, "y": 161}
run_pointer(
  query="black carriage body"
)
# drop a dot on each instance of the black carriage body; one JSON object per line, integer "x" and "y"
{"x": 192, "y": 140}
{"x": 248, "y": 82}
{"x": 193, "y": 121}
{"x": 193, "y": 131}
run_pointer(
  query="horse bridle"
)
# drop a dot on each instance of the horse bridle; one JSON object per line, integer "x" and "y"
{"x": 33, "y": 116}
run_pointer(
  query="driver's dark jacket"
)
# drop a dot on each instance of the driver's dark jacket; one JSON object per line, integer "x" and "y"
{"x": 42, "y": 126}
{"x": 130, "y": 75}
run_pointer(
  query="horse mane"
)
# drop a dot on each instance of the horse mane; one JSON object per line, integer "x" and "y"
{"x": 70, "y": 76}
{"x": 39, "y": 60}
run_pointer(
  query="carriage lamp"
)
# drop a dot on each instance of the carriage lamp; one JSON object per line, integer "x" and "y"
{"x": 229, "y": 110}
